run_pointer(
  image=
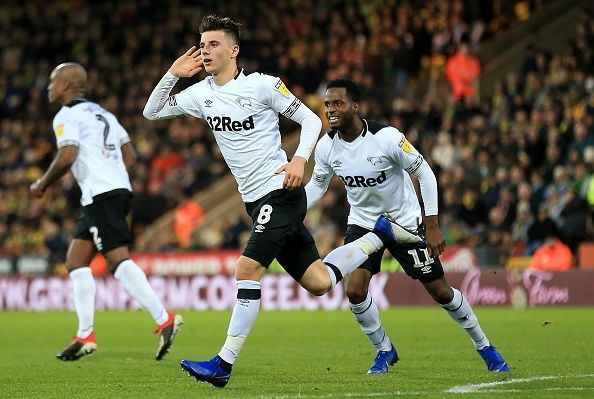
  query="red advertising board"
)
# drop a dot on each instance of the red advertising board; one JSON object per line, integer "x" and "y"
{"x": 178, "y": 263}
{"x": 527, "y": 288}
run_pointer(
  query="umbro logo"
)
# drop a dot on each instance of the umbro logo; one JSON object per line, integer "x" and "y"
{"x": 207, "y": 103}
{"x": 259, "y": 228}
{"x": 336, "y": 164}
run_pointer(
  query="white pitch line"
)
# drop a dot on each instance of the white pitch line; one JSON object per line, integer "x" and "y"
{"x": 473, "y": 388}
{"x": 393, "y": 394}
{"x": 558, "y": 389}
{"x": 460, "y": 389}
{"x": 389, "y": 394}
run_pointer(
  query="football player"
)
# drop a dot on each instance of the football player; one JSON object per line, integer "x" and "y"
{"x": 242, "y": 108}
{"x": 97, "y": 149}
{"x": 375, "y": 162}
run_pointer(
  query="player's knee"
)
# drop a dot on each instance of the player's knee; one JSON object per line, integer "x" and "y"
{"x": 319, "y": 289}
{"x": 115, "y": 257}
{"x": 442, "y": 294}
{"x": 440, "y": 290}
{"x": 248, "y": 269}
{"x": 246, "y": 274}
{"x": 70, "y": 266}
{"x": 356, "y": 294}
{"x": 316, "y": 279}
{"x": 112, "y": 264}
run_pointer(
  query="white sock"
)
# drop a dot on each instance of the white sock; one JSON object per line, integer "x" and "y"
{"x": 367, "y": 315}
{"x": 83, "y": 287}
{"x": 244, "y": 316}
{"x": 138, "y": 287}
{"x": 343, "y": 260}
{"x": 459, "y": 309}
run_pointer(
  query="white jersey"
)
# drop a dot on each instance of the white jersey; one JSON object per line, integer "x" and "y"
{"x": 373, "y": 169}
{"x": 243, "y": 116}
{"x": 99, "y": 166}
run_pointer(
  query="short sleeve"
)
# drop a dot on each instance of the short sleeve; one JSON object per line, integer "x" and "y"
{"x": 124, "y": 137}
{"x": 66, "y": 129}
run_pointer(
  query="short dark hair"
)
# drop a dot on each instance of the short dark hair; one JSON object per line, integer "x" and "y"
{"x": 216, "y": 22}
{"x": 352, "y": 88}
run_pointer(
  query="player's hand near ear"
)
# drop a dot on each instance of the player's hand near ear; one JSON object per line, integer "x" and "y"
{"x": 188, "y": 64}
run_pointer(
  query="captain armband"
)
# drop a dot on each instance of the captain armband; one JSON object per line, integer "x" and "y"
{"x": 292, "y": 108}
{"x": 415, "y": 165}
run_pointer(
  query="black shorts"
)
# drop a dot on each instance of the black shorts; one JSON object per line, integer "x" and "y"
{"x": 104, "y": 220}
{"x": 415, "y": 262}
{"x": 279, "y": 232}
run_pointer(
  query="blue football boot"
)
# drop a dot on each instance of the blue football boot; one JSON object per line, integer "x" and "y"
{"x": 208, "y": 371}
{"x": 383, "y": 360}
{"x": 391, "y": 233}
{"x": 493, "y": 359}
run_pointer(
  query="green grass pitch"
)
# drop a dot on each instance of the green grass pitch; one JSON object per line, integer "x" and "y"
{"x": 304, "y": 355}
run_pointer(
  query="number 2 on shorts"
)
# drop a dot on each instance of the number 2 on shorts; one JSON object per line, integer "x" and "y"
{"x": 96, "y": 239}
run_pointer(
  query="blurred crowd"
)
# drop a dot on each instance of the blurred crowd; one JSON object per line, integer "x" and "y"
{"x": 489, "y": 158}
{"x": 514, "y": 171}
